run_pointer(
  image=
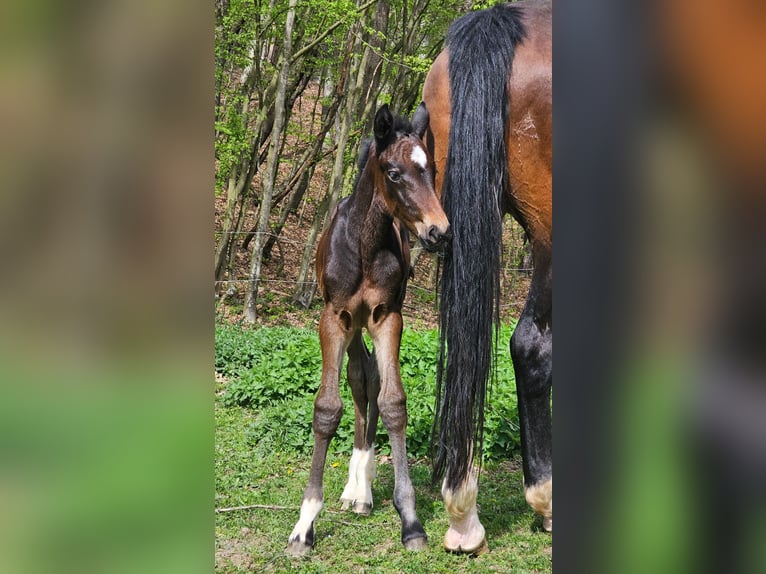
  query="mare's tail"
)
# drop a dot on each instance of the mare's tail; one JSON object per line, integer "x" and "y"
{"x": 481, "y": 47}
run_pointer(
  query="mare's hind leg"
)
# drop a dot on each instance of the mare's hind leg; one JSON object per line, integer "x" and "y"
{"x": 532, "y": 352}
{"x": 386, "y": 334}
{"x": 465, "y": 534}
{"x": 334, "y": 338}
{"x": 364, "y": 383}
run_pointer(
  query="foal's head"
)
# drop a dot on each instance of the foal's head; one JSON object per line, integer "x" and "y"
{"x": 405, "y": 176}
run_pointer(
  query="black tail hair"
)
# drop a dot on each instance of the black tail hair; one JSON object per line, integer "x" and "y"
{"x": 481, "y": 47}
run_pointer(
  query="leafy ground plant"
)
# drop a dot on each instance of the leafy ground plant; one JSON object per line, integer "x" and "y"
{"x": 258, "y": 493}
{"x": 264, "y": 401}
{"x": 277, "y": 371}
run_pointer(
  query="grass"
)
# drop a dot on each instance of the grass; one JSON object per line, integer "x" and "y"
{"x": 264, "y": 400}
{"x": 253, "y": 540}
{"x": 276, "y": 372}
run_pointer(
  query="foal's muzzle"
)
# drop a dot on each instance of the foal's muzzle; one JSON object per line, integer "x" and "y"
{"x": 436, "y": 239}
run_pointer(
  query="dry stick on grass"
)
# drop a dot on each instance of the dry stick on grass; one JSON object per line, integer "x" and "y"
{"x": 275, "y": 507}
{"x": 250, "y": 506}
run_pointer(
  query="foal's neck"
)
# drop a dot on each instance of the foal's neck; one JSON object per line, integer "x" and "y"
{"x": 370, "y": 215}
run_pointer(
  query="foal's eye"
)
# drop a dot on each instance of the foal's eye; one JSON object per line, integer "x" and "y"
{"x": 394, "y": 175}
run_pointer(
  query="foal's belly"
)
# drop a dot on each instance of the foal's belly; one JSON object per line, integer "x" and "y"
{"x": 370, "y": 305}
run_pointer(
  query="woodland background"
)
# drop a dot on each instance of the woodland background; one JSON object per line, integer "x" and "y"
{"x": 297, "y": 85}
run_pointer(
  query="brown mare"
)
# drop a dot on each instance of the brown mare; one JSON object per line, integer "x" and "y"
{"x": 491, "y": 141}
{"x": 363, "y": 264}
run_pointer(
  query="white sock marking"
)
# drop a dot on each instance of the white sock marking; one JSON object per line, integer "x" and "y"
{"x": 309, "y": 511}
{"x": 361, "y": 473}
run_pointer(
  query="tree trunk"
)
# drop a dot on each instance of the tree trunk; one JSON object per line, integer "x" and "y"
{"x": 239, "y": 180}
{"x": 270, "y": 174}
{"x": 361, "y": 74}
{"x": 304, "y": 290}
{"x": 305, "y": 287}
{"x": 290, "y": 207}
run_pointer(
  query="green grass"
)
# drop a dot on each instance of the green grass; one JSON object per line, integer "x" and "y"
{"x": 254, "y": 540}
{"x": 277, "y": 370}
{"x": 263, "y": 448}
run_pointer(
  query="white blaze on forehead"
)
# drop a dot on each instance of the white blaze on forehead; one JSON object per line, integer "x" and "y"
{"x": 419, "y": 156}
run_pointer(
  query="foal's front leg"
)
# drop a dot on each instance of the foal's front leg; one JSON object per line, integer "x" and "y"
{"x": 386, "y": 335}
{"x": 334, "y": 339}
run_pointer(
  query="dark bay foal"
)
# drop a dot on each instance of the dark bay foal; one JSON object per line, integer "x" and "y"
{"x": 363, "y": 264}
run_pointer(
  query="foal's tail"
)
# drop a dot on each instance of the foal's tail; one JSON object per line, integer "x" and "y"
{"x": 481, "y": 47}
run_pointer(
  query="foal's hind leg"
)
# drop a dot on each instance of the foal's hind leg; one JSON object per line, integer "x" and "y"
{"x": 362, "y": 378}
{"x": 334, "y": 339}
{"x": 386, "y": 335}
{"x": 532, "y": 351}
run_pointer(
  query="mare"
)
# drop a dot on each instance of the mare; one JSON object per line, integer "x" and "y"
{"x": 489, "y": 98}
{"x": 363, "y": 264}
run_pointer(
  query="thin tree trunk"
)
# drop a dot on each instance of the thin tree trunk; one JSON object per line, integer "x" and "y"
{"x": 298, "y": 179}
{"x": 305, "y": 288}
{"x": 241, "y": 176}
{"x": 269, "y": 176}
{"x": 363, "y": 72}
{"x": 292, "y": 205}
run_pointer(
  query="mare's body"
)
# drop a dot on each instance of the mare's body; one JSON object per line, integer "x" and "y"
{"x": 489, "y": 95}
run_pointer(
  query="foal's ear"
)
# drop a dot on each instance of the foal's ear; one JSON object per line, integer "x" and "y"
{"x": 420, "y": 120}
{"x": 384, "y": 121}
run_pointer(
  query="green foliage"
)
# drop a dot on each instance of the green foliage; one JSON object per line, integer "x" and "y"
{"x": 483, "y": 4}
{"x": 254, "y": 539}
{"x": 268, "y": 365}
{"x": 277, "y": 371}
{"x": 284, "y": 426}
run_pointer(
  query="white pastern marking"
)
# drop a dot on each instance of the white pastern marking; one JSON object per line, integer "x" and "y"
{"x": 350, "y": 490}
{"x": 540, "y": 498}
{"x": 418, "y": 156}
{"x": 462, "y": 501}
{"x": 309, "y": 511}
{"x": 361, "y": 473}
{"x": 465, "y": 533}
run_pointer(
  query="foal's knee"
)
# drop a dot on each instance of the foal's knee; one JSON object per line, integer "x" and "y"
{"x": 327, "y": 413}
{"x": 393, "y": 411}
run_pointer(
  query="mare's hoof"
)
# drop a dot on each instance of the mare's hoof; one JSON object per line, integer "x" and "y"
{"x": 482, "y": 548}
{"x": 297, "y": 548}
{"x": 548, "y": 523}
{"x": 416, "y": 544}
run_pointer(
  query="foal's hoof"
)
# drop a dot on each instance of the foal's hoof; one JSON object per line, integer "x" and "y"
{"x": 416, "y": 544}
{"x": 363, "y": 508}
{"x": 482, "y": 548}
{"x": 297, "y": 548}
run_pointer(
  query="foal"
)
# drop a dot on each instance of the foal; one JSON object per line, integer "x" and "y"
{"x": 363, "y": 264}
